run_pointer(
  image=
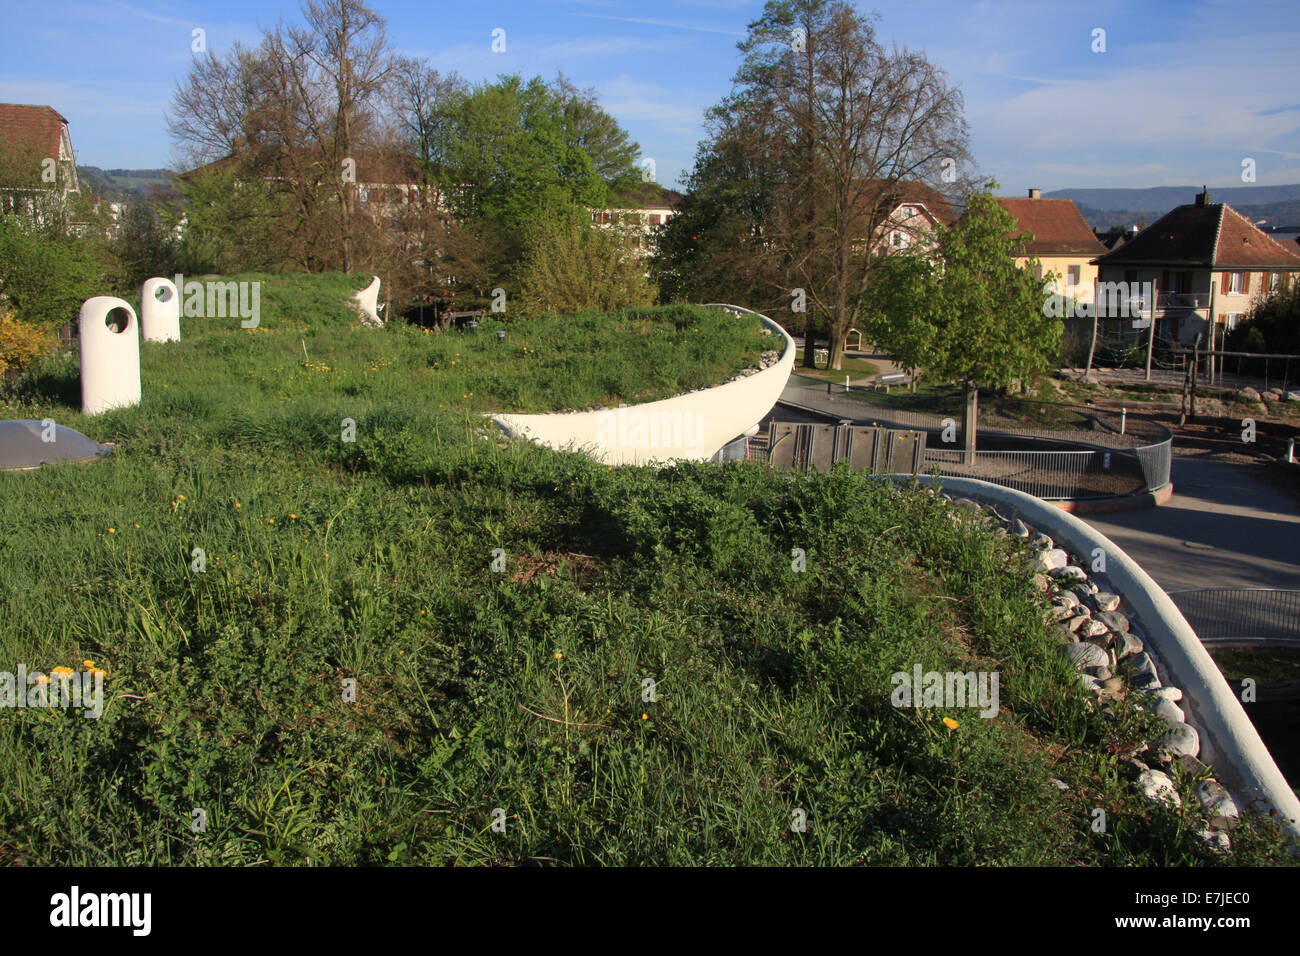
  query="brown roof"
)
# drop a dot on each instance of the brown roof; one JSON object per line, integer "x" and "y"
{"x": 646, "y": 196}
{"x": 1213, "y": 235}
{"x": 35, "y": 127}
{"x": 1057, "y": 226}
{"x": 910, "y": 192}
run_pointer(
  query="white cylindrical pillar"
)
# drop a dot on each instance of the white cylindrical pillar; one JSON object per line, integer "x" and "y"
{"x": 110, "y": 355}
{"x": 160, "y": 311}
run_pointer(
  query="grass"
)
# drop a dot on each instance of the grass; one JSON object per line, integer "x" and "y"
{"x": 522, "y": 690}
{"x": 854, "y": 367}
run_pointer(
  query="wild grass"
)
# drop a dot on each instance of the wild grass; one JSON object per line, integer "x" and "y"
{"x": 523, "y": 690}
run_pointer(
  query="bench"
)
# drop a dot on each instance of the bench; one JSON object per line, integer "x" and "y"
{"x": 889, "y": 378}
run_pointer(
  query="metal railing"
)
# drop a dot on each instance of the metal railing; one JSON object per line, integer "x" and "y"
{"x": 1099, "y": 453}
{"x": 1225, "y": 615}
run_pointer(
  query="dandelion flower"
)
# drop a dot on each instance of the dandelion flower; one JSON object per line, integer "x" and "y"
{"x": 137, "y": 525}
{"x": 61, "y": 672}
{"x": 950, "y": 723}
{"x": 96, "y": 672}
{"x": 88, "y": 664}
{"x": 293, "y": 517}
{"x": 558, "y": 655}
{"x": 270, "y": 521}
{"x": 112, "y": 531}
{"x": 645, "y": 716}
{"x": 41, "y": 679}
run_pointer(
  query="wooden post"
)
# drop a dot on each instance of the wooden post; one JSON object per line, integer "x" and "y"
{"x": 969, "y": 416}
{"x": 1196, "y": 364}
{"x": 1151, "y": 331}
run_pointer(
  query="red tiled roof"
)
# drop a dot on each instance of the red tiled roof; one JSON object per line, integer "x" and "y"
{"x": 33, "y": 127}
{"x": 374, "y": 167}
{"x": 1211, "y": 236}
{"x": 1057, "y": 226}
{"x": 910, "y": 192}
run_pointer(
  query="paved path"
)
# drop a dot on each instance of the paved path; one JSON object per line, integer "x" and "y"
{"x": 1223, "y": 527}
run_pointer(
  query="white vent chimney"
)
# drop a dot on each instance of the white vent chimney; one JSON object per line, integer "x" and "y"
{"x": 1035, "y": 194}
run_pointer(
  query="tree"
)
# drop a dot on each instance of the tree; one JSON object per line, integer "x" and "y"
{"x": 842, "y": 127}
{"x": 571, "y": 265}
{"x": 979, "y": 319}
{"x": 515, "y": 152}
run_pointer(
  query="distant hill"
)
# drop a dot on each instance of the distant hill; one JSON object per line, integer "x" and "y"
{"x": 1278, "y": 205}
{"x": 125, "y": 185}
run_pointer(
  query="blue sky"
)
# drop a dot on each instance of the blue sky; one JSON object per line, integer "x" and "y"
{"x": 1183, "y": 92}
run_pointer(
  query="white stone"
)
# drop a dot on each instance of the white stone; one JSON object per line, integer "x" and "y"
{"x": 1215, "y": 800}
{"x": 1168, "y": 711}
{"x": 1217, "y": 839}
{"x": 1053, "y": 559}
{"x": 1084, "y": 654}
{"x": 1158, "y": 788}
{"x": 1181, "y": 739}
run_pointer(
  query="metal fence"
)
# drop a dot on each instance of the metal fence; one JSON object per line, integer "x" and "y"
{"x": 1224, "y": 615}
{"x": 1098, "y": 453}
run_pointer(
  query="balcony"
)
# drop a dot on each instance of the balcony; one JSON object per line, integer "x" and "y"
{"x": 1182, "y": 301}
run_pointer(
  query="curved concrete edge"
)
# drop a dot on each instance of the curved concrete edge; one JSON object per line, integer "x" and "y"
{"x": 1133, "y": 502}
{"x": 368, "y": 303}
{"x": 1229, "y": 740}
{"x": 692, "y": 427}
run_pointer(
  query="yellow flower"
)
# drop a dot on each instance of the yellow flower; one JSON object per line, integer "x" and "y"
{"x": 112, "y": 531}
{"x": 96, "y": 672}
{"x": 182, "y": 497}
{"x": 270, "y": 521}
{"x": 41, "y": 679}
{"x": 645, "y": 716}
{"x": 137, "y": 526}
{"x": 950, "y": 723}
{"x": 61, "y": 672}
{"x": 88, "y": 664}
{"x": 293, "y": 517}
{"x": 238, "y": 505}
{"x": 558, "y": 655}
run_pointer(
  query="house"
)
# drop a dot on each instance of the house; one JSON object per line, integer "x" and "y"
{"x": 1206, "y": 263}
{"x": 38, "y": 170}
{"x": 908, "y": 211}
{"x": 641, "y": 212}
{"x": 1062, "y": 241}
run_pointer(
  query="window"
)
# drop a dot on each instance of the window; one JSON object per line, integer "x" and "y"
{"x": 1231, "y": 319}
{"x": 1074, "y": 274}
{"x": 1234, "y": 283}
{"x": 897, "y": 240}
{"x": 1275, "y": 282}
{"x": 909, "y": 212}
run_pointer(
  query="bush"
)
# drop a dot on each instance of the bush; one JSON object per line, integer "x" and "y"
{"x": 20, "y": 343}
{"x": 572, "y": 266}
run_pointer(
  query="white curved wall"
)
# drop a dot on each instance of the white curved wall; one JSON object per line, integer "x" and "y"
{"x": 691, "y": 426}
{"x": 1228, "y": 739}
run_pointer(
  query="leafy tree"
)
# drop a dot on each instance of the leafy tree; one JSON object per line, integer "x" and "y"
{"x": 571, "y": 265}
{"x": 974, "y": 318}
{"x": 516, "y": 152}
{"x": 836, "y": 127}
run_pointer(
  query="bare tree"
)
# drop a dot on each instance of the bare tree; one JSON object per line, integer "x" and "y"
{"x": 337, "y": 65}
{"x": 853, "y": 126}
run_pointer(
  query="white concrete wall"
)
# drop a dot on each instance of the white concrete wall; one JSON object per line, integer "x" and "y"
{"x": 691, "y": 426}
{"x": 1228, "y": 739}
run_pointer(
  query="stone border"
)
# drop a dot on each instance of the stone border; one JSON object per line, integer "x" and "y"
{"x": 712, "y": 416}
{"x": 1214, "y": 716}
